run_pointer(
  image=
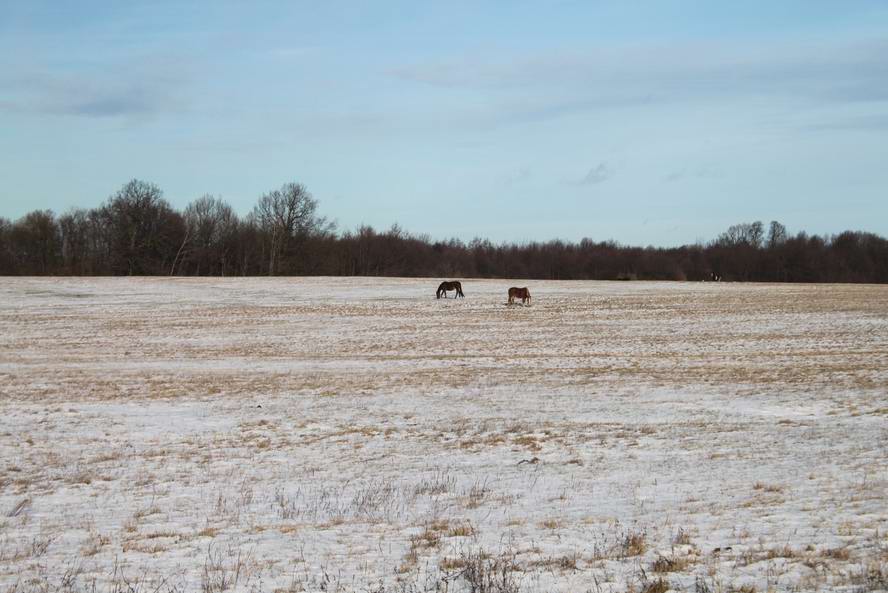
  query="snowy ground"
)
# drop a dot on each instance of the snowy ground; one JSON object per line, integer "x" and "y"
{"x": 359, "y": 435}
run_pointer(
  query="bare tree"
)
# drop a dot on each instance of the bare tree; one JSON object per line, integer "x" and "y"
{"x": 211, "y": 225}
{"x": 145, "y": 231}
{"x": 7, "y": 248}
{"x": 287, "y": 217}
{"x": 748, "y": 233}
{"x": 75, "y": 233}
{"x": 756, "y": 234}
{"x": 776, "y": 234}
{"x": 137, "y": 232}
{"x": 38, "y": 242}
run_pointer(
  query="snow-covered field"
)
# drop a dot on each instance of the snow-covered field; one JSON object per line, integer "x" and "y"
{"x": 328, "y": 434}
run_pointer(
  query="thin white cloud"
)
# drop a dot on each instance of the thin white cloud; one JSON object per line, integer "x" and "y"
{"x": 877, "y": 123}
{"x": 837, "y": 71}
{"x": 520, "y": 176}
{"x": 695, "y": 172}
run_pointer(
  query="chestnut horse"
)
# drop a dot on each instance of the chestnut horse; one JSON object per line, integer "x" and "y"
{"x": 519, "y": 293}
{"x": 445, "y": 286}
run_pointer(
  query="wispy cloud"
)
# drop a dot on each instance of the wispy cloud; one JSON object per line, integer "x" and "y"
{"x": 695, "y": 172}
{"x": 597, "y": 174}
{"x": 830, "y": 72}
{"x": 517, "y": 177}
{"x": 876, "y": 122}
{"x": 142, "y": 88}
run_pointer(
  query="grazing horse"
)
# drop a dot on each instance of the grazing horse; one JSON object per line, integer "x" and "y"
{"x": 445, "y": 286}
{"x": 519, "y": 293}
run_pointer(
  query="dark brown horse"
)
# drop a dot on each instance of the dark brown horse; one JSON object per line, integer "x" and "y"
{"x": 445, "y": 286}
{"x": 519, "y": 293}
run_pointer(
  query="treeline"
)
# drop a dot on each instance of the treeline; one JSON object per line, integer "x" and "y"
{"x": 137, "y": 232}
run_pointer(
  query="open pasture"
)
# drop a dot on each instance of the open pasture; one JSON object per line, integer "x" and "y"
{"x": 326, "y": 434}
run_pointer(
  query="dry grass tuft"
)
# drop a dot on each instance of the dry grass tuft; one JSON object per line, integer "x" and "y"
{"x": 767, "y": 487}
{"x": 440, "y": 482}
{"x": 527, "y": 441}
{"x": 634, "y": 544}
{"x": 550, "y": 524}
{"x": 429, "y": 538}
{"x": 783, "y": 552}
{"x": 682, "y": 538}
{"x": 674, "y": 564}
{"x": 486, "y": 574}
{"x": 658, "y": 586}
{"x": 476, "y": 495}
{"x": 463, "y": 530}
{"x": 565, "y": 562}
{"x": 449, "y": 564}
{"x": 836, "y": 554}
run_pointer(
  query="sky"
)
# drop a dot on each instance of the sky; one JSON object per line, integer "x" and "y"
{"x": 647, "y": 123}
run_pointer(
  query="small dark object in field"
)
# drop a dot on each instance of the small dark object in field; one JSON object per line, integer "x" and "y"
{"x": 519, "y": 293}
{"x": 531, "y": 460}
{"x": 452, "y": 285}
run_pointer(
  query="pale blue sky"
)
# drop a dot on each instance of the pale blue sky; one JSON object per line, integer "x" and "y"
{"x": 649, "y": 123}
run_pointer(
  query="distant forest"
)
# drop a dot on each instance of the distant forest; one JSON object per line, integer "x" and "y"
{"x": 137, "y": 232}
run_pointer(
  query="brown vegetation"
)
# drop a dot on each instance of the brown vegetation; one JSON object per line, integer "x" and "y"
{"x": 137, "y": 232}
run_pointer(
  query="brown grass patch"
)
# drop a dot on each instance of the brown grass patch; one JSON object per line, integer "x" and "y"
{"x": 767, "y": 487}
{"x": 463, "y": 530}
{"x": 783, "y": 552}
{"x": 658, "y": 586}
{"x": 674, "y": 564}
{"x": 634, "y": 544}
{"x": 528, "y": 442}
{"x": 452, "y": 564}
{"x": 429, "y": 538}
{"x": 161, "y": 534}
{"x": 836, "y": 554}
